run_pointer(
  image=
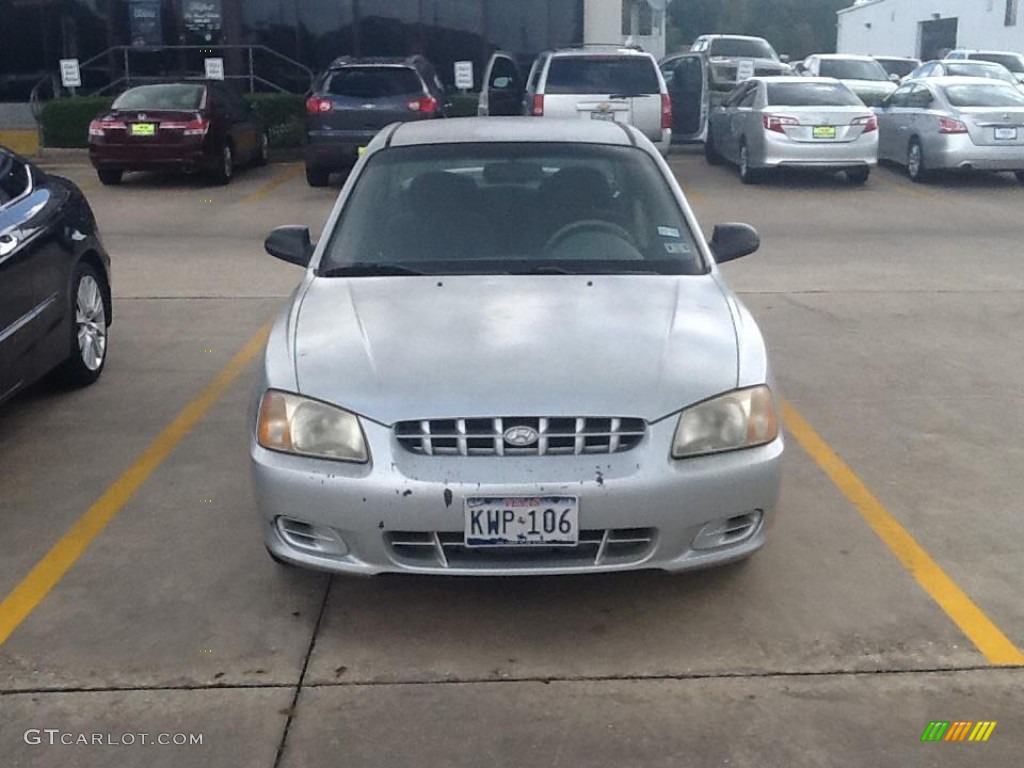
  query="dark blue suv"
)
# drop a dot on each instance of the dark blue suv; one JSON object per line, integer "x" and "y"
{"x": 355, "y": 98}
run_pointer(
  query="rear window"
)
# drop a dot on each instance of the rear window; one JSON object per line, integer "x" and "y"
{"x": 177, "y": 96}
{"x": 626, "y": 75}
{"x": 742, "y": 49}
{"x": 460, "y": 208}
{"x": 983, "y": 95}
{"x": 979, "y": 69}
{"x": 812, "y": 95}
{"x": 851, "y": 69}
{"x": 898, "y": 67}
{"x": 374, "y": 82}
{"x": 1011, "y": 62}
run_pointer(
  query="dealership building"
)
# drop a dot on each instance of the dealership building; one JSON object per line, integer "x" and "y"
{"x": 37, "y": 34}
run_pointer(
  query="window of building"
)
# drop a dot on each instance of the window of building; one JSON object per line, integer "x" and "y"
{"x": 1011, "y": 13}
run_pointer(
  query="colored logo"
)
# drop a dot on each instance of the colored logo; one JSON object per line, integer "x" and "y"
{"x": 958, "y": 730}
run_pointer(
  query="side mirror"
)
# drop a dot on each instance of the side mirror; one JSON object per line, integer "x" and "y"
{"x": 731, "y": 241}
{"x": 894, "y": 78}
{"x": 784, "y": 58}
{"x": 290, "y": 243}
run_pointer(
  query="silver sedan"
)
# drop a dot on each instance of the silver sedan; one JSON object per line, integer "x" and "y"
{"x": 961, "y": 123}
{"x": 807, "y": 122}
{"x": 512, "y": 352}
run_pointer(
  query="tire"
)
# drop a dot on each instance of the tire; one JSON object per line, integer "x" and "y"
{"x": 262, "y": 155}
{"x": 858, "y": 175}
{"x": 748, "y": 175}
{"x": 915, "y": 162}
{"x": 110, "y": 176}
{"x": 710, "y": 153}
{"x": 226, "y": 169}
{"x": 317, "y": 177}
{"x": 90, "y": 304}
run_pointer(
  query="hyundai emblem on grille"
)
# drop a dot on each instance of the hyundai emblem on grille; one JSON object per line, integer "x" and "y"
{"x": 521, "y": 437}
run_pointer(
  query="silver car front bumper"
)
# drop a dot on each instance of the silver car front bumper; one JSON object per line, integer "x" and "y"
{"x": 405, "y": 512}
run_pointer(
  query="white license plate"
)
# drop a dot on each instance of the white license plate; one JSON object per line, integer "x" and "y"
{"x": 496, "y": 521}
{"x": 602, "y": 115}
{"x": 1006, "y": 134}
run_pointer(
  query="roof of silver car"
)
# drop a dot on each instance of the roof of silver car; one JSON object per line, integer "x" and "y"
{"x": 468, "y": 130}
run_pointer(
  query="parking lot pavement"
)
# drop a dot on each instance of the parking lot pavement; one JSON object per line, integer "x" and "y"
{"x": 890, "y": 312}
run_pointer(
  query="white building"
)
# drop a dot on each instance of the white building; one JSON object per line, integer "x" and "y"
{"x": 927, "y": 28}
{"x": 640, "y": 22}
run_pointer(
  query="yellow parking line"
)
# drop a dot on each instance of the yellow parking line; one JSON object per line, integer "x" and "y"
{"x": 972, "y": 621}
{"x": 24, "y": 598}
{"x": 289, "y": 173}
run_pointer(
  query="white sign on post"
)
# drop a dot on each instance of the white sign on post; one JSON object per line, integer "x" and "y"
{"x": 744, "y": 70}
{"x": 214, "y": 69}
{"x": 70, "y": 75}
{"x": 464, "y": 75}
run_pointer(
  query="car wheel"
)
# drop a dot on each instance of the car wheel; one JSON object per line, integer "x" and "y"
{"x": 915, "y": 162}
{"x": 317, "y": 177}
{"x": 226, "y": 168}
{"x": 858, "y": 175}
{"x": 110, "y": 176}
{"x": 748, "y": 175}
{"x": 89, "y": 302}
{"x": 262, "y": 150}
{"x": 710, "y": 153}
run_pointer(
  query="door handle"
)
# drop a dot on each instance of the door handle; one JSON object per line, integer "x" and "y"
{"x": 7, "y": 244}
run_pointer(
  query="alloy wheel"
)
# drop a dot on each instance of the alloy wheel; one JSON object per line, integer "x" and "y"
{"x": 91, "y": 322}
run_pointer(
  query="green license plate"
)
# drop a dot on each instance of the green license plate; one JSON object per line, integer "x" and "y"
{"x": 143, "y": 129}
{"x": 824, "y": 132}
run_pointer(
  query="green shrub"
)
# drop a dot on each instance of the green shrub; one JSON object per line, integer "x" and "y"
{"x": 463, "y": 104}
{"x": 65, "y": 122}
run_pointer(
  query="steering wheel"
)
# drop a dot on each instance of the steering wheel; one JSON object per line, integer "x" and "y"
{"x": 591, "y": 225}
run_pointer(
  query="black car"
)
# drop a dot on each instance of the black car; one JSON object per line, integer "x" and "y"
{"x": 355, "y": 98}
{"x": 55, "y": 304}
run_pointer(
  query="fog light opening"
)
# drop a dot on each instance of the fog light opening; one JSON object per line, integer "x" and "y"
{"x": 318, "y": 539}
{"x": 729, "y": 531}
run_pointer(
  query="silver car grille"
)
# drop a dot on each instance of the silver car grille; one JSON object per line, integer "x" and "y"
{"x": 572, "y": 435}
{"x": 433, "y": 549}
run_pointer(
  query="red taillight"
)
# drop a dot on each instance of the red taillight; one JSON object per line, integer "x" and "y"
{"x": 947, "y": 125}
{"x": 538, "y": 106}
{"x": 666, "y": 111}
{"x": 315, "y": 105}
{"x": 99, "y": 128}
{"x": 777, "y": 122}
{"x": 197, "y": 127}
{"x": 425, "y": 104}
{"x": 869, "y": 122}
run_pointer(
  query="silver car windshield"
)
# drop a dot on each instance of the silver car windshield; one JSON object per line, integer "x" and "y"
{"x": 738, "y": 48}
{"x": 983, "y": 95}
{"x": 812, "y": 95}
{"x": 980, "y": 69}
{"x": 1010, "y": 61}
{"x": 852, "y": 69}
{"x": 515, "y": 208}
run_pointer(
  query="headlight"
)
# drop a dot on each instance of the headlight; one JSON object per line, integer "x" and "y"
{"x": 296, "y": 424}
{"x": 740, "y": 419}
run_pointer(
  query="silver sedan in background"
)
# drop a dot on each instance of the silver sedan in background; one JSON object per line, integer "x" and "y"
{"x": 805, "y": 122}
{"x": 960, "y": 123}
{"x": 962, "y": 68}
{"x": 512, "y": 352}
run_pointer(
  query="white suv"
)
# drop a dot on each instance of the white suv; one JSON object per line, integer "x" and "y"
{"x": 593, "y": 82}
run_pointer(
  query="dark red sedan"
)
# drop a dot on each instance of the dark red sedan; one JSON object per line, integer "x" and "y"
{"x": 187, "y": 127}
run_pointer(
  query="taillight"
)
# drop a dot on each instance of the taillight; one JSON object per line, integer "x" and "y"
{"x": 425, "y": 104}
{"x": 538, "y": 106}
{"x": 98, "y": 128}
{"x": 315, "y": 105}
{"x": 948, "y": 125}
{"x": 776, "y": 122}
{"x": 666, "y": 111}
{"x": 197, "y": 127}
{"x": 869, "y": 122}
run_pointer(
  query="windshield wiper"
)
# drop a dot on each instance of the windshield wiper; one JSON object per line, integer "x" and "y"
{"x": 628, "y": 95}
{"x": 542, "y": 270}
{"x": 368, "y": 270}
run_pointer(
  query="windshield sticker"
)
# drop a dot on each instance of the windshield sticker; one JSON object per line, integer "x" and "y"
{"x": 677, "y": 248}
{"x": 668, "y": 231}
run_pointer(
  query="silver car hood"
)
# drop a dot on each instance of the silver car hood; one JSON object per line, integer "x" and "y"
{"x": 397, "y": 348}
